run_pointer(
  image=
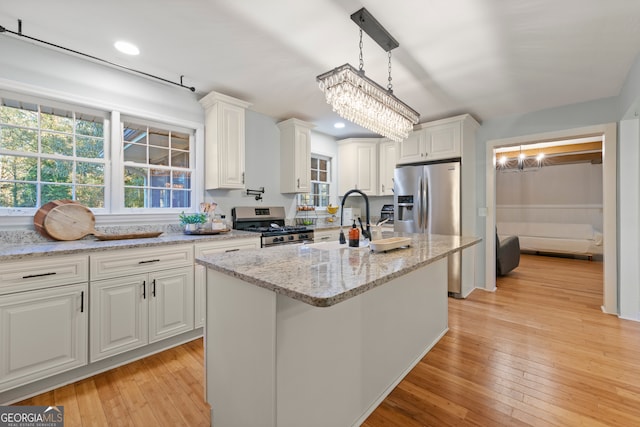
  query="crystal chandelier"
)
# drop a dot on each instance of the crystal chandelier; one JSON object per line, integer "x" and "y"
{"x": 359, "y": 99}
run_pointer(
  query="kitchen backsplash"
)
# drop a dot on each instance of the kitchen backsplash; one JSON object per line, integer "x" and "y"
{"x": 32, "y": 236}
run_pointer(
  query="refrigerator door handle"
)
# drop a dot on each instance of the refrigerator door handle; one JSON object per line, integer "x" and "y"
{"x": 420, "y": 213}
{"x": 425, "y": 204}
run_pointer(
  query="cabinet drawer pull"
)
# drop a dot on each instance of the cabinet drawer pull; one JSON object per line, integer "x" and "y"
{"x": 144, "y": 289}
{"x": 232, "y": 250}
{"x": 31, "y": 276}
{"x": 149, "y": 261}
{"x": 82, "y": 302}
{"x": 153, "y": 292}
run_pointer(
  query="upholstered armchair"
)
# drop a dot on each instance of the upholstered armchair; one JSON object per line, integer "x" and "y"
{"x": 507, "y": 254}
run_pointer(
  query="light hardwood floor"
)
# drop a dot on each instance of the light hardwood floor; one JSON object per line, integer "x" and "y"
{"x": 537, "y": 352}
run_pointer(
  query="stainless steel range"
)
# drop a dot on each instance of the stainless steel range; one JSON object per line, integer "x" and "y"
{"x": 269, "y": 222}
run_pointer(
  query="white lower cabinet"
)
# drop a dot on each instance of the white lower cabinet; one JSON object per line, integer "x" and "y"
{"x": 42, "y": 333}
{"x": 142, "y": 296}
{"x": 200, "y": 285}
{"x": 133, "y": 311}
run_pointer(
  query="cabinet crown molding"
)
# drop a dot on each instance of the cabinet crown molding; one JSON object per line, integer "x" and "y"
{"x": 294, "y": 122}
{"x": 212, "y": 98}
{"x": 461, "y": 118}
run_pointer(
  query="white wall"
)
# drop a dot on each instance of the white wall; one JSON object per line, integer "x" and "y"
{"x": 629, "y": 223}
{"x": 25, "y": 66}
{"x": 262, "y": 164}
{"x": 570, "y": 193}
{"x": 554, "y": 119}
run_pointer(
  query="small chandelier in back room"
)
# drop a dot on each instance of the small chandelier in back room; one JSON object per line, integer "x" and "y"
{"x": 359, "y": 99}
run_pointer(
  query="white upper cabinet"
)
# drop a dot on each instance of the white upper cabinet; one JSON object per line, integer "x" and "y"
{"x": 442, "y": 139}
{"x": 224, "y": 141}
{"x": 295, "y": 156}
{"x": 387, "y": 151}
{"x": 358, "y": 165}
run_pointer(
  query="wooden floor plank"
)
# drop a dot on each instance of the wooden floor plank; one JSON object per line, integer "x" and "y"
{"x": 537, "y": 352}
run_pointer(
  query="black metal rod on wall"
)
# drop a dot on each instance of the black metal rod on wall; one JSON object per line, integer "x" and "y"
{"x": 113, "y": 64}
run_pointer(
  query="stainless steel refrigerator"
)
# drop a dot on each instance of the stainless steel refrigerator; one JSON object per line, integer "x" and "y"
{"x": 427, "y": 200}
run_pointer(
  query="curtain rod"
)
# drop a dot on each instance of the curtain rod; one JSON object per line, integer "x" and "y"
{"x": 113, "y": 64}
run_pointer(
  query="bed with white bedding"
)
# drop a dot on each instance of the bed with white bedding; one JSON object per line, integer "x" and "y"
{"x": 574, "y": 239}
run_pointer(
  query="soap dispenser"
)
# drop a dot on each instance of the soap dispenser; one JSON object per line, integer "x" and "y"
{"x": 354, "y": 236}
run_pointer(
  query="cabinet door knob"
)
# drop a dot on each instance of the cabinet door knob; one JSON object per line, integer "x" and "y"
{"x": 298, "y": 182}
{"x": 144, "y": 289}
{"x": 82, "y": 302}
{"x": 153, "y": 291}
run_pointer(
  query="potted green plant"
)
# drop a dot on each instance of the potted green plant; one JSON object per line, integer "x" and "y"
{"x": 191, "y": 222}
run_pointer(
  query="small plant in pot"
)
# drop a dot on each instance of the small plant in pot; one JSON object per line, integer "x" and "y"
{"x": 191, "y": 222}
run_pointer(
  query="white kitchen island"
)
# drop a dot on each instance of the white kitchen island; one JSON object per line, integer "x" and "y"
{"x": 318, "y": 335}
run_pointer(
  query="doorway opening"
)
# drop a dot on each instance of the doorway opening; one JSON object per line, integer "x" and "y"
{"x": 609, "y": 201}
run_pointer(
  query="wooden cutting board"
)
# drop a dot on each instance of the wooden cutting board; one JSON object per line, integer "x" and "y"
{"x": 69, "y": 220}
{"x": 41, "y": 214}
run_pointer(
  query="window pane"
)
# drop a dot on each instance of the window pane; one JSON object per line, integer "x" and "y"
{"x": 56, "y": 171}
{"x": 90, "y": 196}
{"x": 158, "y": 156}
{"x": 134, "y": 133}
{"x": 52, "y": 192}
{"x": 179, "y": 141}
{"x": 136, "y": 153}
{"x": 92, "y": 148}
{"x": 19, "y": 114}
{"x": 160, "y": 198}
{"x": 135, "y": 176}
{"x": 17, "y": 139}
{"x": 182, "y": 180}
{"x": 159, "y": 138}
{"x": 15, "y": 168}
{"x": 181, "y": 199}
{"x": 18, "y": 195}
{"x": 134, "y": 198}
{"x": 322, "y": 177}
{"x": 58, "y": 120}
{"x": 90, "y": 126}
{"x": 55, "y": 143}
{"x": 180, "y": 159}
{"x": 314, "y": 163}
{"x": 160, "y": 178}
{"x": 90, "y": 173}
{"x": 323, "y": 165}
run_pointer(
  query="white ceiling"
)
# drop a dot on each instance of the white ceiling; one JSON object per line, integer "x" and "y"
{"x": 490, "y": 58}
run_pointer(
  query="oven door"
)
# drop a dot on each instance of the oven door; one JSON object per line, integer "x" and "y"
{"x": 287, "y": 239}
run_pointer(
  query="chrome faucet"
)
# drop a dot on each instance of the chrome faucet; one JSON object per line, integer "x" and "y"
{"x": 365, "y": 233}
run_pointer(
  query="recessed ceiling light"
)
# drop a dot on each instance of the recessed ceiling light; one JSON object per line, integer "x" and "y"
{"x": 339, "y": 125}
{"x": 126, "y": 47}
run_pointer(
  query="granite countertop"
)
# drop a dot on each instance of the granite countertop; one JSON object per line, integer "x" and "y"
{"x": 324, "y": 274}
{"x": 18, "y": 251}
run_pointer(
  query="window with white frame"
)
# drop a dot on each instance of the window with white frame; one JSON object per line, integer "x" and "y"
{"x": 50, "y": 152}
{"x": 157, "y": 171}
{"x": 320, "y": 183}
